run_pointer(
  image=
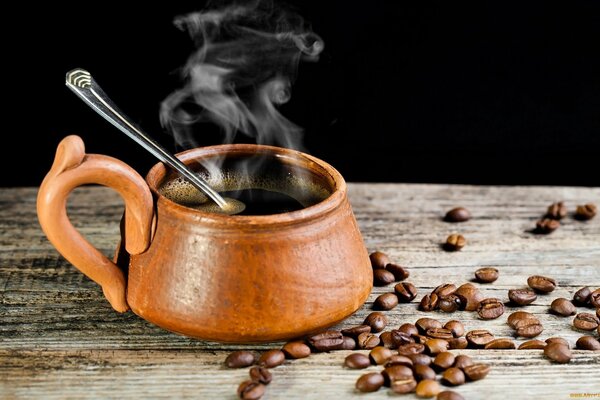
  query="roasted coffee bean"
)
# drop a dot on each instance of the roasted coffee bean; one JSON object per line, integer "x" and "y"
{"x": 595, "y": 298}
{"x": 560, "y": 340}
{"x": 476, "y": 372}
{"x": 379, "y": 355}
{"x": 399, "y": 272}
{"x": 479, "y": 337}
{"x": 357, "y": 361}
{"x": 586, "y": 212}
{"x": 356, "y": 330}
{"x": 405, "y": 291}
{"x": 470, "y": 296}
{"x": 449, "y": 303}
{"x": 422, "y": 372}
{"x": 436, "y": 346}
{"x": 456, "y": 327}
{"x": 386, "y": 340}
{"x": 411, "y": 348}
{"x": 518, "y": 316}
{"x": 409, "y": 329}
{"x": 386, "y": 302}
{"x": 462, "y": 361}
{"x": 458, "y": 214}
{"x": 445, "y": 289}
{"x": 453, "y": 377}
{"x": 348, "y": 344}
{"x": 377, "y": 321}
{"x": 546, "y": 225}
{"x": 529, "y": 327}
{"x": 271, "y": 358}
{"x": 420, "y": 359}
{"x": 367, "y": 341}
{"x": 326, "y": 341}
{"x": 557, "y": 210}
{"x": 585, "y": 321}
{"x": 297, "y": 349}
{"x": 501, "y": 343}
{"x": 532, "y": 345}
{"x": 490, "y": 308}
{"x": 458, "y": 343}
{"x": 449, "y": 395}
{"x": 440, "y": 333}
{"x": 403, "y": 386}
{"x": 240, "y": 359}
{"x": 423, "y": 324}
{"x": 370, "y": 382}
{"x": 562, "y": 307}
{"x": 420, "y": 338}
{"x": 443, "y": 361}
{"x": 382, "y": 277}
{"x": 588, "y": 343}
{"x": 582, "y": 296}
{"x": 541, "y": 284}
{"x": 249, "y": 390}
{"x": 396, "y": 372}
{"x": 558, "y": 353}
{"x": 429, "y": 302}
{"x": 486, "y": 275}
{"x": 398, "y": 360}
{"x": 522, "y": 297}
{"x": 379, "y": 260}
{"x": 399, "y": 338}
{"x": 261, "y": 375}
{"x": 455, "y": 242}
{"x": 427, "y": 388}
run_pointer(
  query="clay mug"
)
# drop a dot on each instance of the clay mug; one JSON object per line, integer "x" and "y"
{"x": 211, "y": 276}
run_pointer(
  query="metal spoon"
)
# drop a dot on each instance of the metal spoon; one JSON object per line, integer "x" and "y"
{"x": 81, "y": 82}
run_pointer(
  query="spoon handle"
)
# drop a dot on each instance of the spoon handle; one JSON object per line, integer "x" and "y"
{"x": 83, "y": 85}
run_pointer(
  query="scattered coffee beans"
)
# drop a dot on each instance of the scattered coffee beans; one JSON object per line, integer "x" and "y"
{"x": 562, "y": 307}
{"x": 370, "y": 382}
{"x": 500, "y": 344}
{"x": 436, "y": 346}
{"x": 518, "y": 316}
{"x": 271, "y": 358}
{"x": 377, "y": 321}
{"x": 367, "y": 341}
{"x": 585, "y": 321}
{"x": 462, "y": 361}
{"x": 250, "y": 390}
{"x": 490, "y": 308}
{"x": 429, "y": 302}
{"x": 449, "y": 303}
{"x": 439, "y": 333}
{"x": 403, "y": 385}
{"x": 396, "y": 372}
{"x": 557, "y": 210}
{"x": 382, "y": 277}
{"x": 400, "y": 273}
{"x": 261, "y": 375}
{"x": 379, "y": 260}
{"x": 479, "y": 337}
{"x": 423, "y": 324}
{"x": 410, "y": 349}
{"x": 453, "y": 377}
{"x": 405, "y": 291}
{"x": 356, "y": 330}
{"x": 486, "y": 275}
{"x": 379, "y": 355}
{"x": 586, "y": 212}
{"x": 558, "y": 340}
{"x": 470, "y": 296}
{"x": 546, "y": 225}
{"x": 455, "y": 242}
{"x": 458, "y": 343}
{"x": 458, "y": 214}
{"x": 456, "y": 327}
{"x": 297, "y": 349}
{"x": 532, "y": 345}
{"x": 409, "y": 329}
{"x": 443, "y": 361}
{"x": 241, "y": 359}
{"x": 530, "y": 327}
{"x": 582, "y": 296}
{"x": 386, "y": 301}
{"x": 427, "y": 388}
{"x": 522, "y": 297}
{"x": 422, "y": 372}
{"x": 558, "y": 352}
{"x": 541, "y": 284}
{"x": 445, "y": 289}
{"x": 357, "y": 361}
{"x": 398, "y": 360}
{"x": 348, "y": 344}
{"x": 588, "y": 343}
{"x": 326, "y": 341}
{"x": 476, "y": 372}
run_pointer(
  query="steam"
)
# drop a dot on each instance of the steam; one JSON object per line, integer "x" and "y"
{"x": 243, "y": 67}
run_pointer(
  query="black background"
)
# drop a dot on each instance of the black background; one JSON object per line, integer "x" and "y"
{"x": 482, "y": 93}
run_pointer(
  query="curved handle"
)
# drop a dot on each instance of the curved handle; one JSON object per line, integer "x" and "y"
{"x": 73, "y": 168}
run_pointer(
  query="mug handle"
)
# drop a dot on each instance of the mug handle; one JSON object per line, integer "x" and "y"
{"x": 73, "y": 168}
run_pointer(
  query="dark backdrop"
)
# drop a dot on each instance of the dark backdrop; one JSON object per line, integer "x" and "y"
{"x": 484, "y": 93}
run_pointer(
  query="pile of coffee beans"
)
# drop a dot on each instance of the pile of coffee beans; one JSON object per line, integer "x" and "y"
{"x": 557, "y": 211}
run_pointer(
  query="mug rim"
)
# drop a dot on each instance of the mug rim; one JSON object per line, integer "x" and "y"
{"x": 158, "y": 172}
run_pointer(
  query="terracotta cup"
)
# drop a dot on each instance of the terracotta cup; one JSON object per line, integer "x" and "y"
{"x": 210, "y": 276}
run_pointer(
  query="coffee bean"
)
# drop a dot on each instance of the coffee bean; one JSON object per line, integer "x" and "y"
{"x": 409, "y": 329}
{"x": 367, "y": 341}
{"x": 490, "y": 308}
{"x": 479, "y": 337}
{"x": 449, "y": 395}
{"x": 400, "y": 338}
{"x": 271, "y": 358}
{"x": 326, "y": 341}
{"x": 240, "y": 359}
{"x": 429, "y": 302}
{"x": 582, "y": 296}
{"x": 486, "y": 275}
{"x": 560, "y": 340}
{"x": 522, "y": 297}
{"x": 558, "y": 353}
{"x": 405, "y": 291}
{"x": 546, "y": 225}
{"x": 532, "y": 345}
{"x": 357, "y": 361}
{"x": 297, "y": 349}
{"x": 476, "y": 372}
{"x": 382, "y": 277}
{"x": 411, "y": 348}
{"x": 585, "y": 321}
{"x": 595, "y": 298}
{"x": 529, "y": 327}
{"x": 518, "y": 316}
{"x": 423, "y": 324}
{"x": 420, "y": 338}
{"x": 458, "y": 214}
{"x": 348, "y": 344}
{"x": 356, "y": 330}
{"x": 436, "y": 346}
{"x": 260, "y": 375}
{"x": 470, "y": 296}
{"x": 379, "y": 260}
{"x": 443, "y": 361}
{"x": 422, "y": 372}
{"x": 588, "y": 343}
{"x": 456, "y": 327}
{"x": 449, "y": 303}
{"x": 427, "y": 388}
{"x": 562, "y": 307}
{"x": 500, "y": 344}
{"x": 453, "y": 377}
{"x": 396, "y": 372}
{"x": 458, "y": 343}
{"x": 386, "y": 340}
{"x": 440, "y": 333}
{"x": 249, "y": 390}
{"x": 370, "y": 382}
{"x": 557, "y": 210}
{"x": 377, "y": 321}
{"x": 399, "y": 272}
{"x": 455, "y": 242}
{"x": 586, "y": 212}
{"x": 445, "y": 289}
{"x": 386, "y": 302}
{"x": 420, "y": 359}
{"x": 398, "y": 360}
{"x": 462, "y": 361}
{"x": 541, "y": 284}
{"x": 379, "y": 355}
{"x": 404, "y": 385}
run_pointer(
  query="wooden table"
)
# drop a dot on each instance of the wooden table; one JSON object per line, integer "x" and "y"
{"x": 59, "y": 338}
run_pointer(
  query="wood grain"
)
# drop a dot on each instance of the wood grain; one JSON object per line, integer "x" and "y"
{"x": 59, "y": 338}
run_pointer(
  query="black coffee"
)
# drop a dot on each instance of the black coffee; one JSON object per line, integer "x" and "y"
{"x": 263, "y": 202}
